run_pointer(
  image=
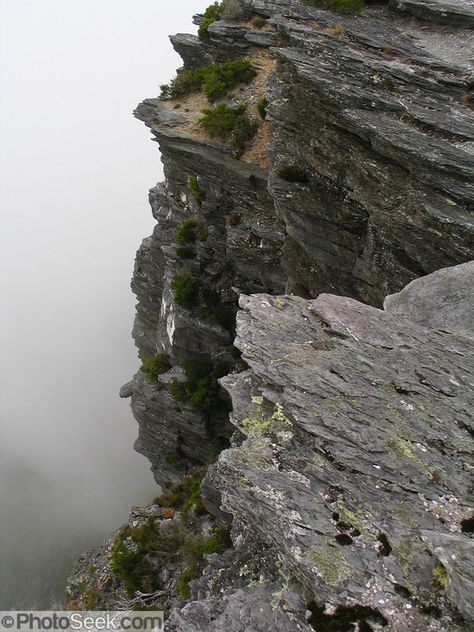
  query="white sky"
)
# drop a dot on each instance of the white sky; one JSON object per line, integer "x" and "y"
{"x": 75, "y": 169}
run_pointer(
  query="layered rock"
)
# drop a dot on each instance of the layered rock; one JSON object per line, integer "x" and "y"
{"x": 347, "y": 472}
{"x": 355, "y": 459}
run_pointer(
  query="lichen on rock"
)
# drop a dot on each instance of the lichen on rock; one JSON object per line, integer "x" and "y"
{"x": 304, "y": 324}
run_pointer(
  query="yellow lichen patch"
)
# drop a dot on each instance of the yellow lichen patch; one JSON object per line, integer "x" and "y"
{"x": 356, "y": 519}
{"x": 255, "y": 426}
{"x": 331, "y": 564}
{"x": 441, "y": 576}
{"x": 401, "y": 448}
{"x": 406, "y": 552}
{"x": 260, "y": 424}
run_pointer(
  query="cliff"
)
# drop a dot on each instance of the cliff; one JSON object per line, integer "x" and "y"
{"x": 314, "y": 446}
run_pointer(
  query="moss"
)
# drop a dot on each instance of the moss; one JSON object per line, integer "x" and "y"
{"x": 198, "y": 193}
{"x": 191, "y": 230}
{"x": 211, "y": 14}
{"x": 229, "y": 124}
{"x": 154, "y": 367}
{"x": 292, "y": 173}
{"x": 331, "y": 563}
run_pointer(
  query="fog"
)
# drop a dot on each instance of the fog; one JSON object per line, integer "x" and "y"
{"x": 75, "y": 169}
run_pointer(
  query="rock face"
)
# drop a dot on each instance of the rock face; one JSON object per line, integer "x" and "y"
{"x": 356, "y": 457}
{"x": 338, "y": 399}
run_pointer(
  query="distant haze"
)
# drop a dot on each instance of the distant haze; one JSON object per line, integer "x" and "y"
{"x": 75, "y": 169}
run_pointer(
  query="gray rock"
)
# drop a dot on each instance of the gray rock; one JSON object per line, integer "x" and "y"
{"x": 355, "y": 445}
{"x": 456, "y": 554}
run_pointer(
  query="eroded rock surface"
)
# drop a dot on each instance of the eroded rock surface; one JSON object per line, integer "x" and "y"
{"x": 356, "y": 459}
{"x": 346, "y": 474}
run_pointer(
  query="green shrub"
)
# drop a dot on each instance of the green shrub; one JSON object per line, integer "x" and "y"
{"x": 190, "y": 573}
{"x": 292, "y": 173}
{"x": 339, "y": 6}
{"x": 185, "y": 252}
{"x": 262, "y": 107}
{"x": 198, "y": 193}
{"x": 186, "y": 493}
{"x": 229, "y": 124}
{"x": 190, "y": 231}
{"x": 185, "y": 290}
{"x": 130, "y": 564}
{"x": 155, "y": 366}
{"x": 215, "y": 80}
{"x": 219, "y": 79}
{"x": 258, "y": 22}
{"x": 211, "y": 14}
{"x": 165, "y": 89}
{"x": 218, "y": 541}
{"x": 200, "y": 387}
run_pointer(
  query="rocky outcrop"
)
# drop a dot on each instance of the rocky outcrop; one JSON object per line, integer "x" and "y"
{"x": 355, "y": 459}
{"x": 334, "y": 407}
{"x": 374, "y": 110}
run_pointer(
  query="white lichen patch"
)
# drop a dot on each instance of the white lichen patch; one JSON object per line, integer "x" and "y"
{"x": 297, "y": 477}
{"x": 446, "y": 509}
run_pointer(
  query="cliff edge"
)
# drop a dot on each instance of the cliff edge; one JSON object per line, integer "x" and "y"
{"x": 305, "y": 321}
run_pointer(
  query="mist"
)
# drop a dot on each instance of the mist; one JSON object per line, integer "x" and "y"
{"x": 75, "y": 169}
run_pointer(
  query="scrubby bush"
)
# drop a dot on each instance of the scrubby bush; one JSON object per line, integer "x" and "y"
{"x": 185, "y": 290}
{"x": 190, "y": 573}
{"x": 185, "y": 495}
{"x": 155, "y": 366}
{"x": 258, "y": 22}
{"x": 198, "y": 193}
{"x": 190, "y": 231}
{"x": 262, "y": 107}
{"x": 219, "y": 79}
{"x": 339, "y": 6}
{"x": 292, "y": 173}
{"x": 186, "y": 252}
{"x": 211, "y": 14}
{"x": 229, "y": 124}
{"x": 215, "y": 80}
{"x": 201, "y": 388}
{"x": 130, "y": 561}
